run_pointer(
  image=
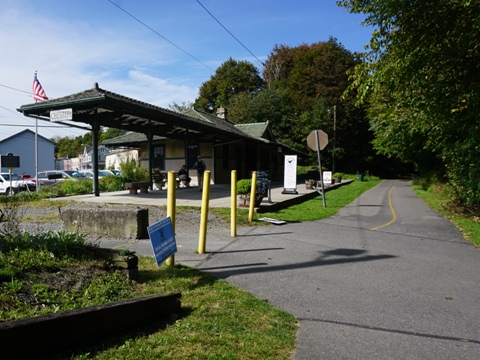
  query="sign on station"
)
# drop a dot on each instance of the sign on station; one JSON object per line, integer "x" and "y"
{"x": 61, "y": 115}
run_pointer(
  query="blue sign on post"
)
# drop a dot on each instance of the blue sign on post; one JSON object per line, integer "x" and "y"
{"x": 163, "y": 240}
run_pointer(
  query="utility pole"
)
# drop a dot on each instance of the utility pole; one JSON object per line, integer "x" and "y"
{"x": 334, "y": 136}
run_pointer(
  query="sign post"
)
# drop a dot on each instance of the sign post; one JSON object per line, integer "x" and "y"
{"x": 10, "y": 161}
{"x": 317, "y": 140}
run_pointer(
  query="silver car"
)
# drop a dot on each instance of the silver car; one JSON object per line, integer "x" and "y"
{"x": 52, "y": 177}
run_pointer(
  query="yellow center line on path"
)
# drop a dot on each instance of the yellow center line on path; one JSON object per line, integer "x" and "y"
{"x": 394, "y": 215}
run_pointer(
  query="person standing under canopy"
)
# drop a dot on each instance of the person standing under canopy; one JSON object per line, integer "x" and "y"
{"x": 201, "y": 167}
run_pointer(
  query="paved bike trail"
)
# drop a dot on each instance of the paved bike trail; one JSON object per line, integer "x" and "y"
{"x": 385, "y": 278}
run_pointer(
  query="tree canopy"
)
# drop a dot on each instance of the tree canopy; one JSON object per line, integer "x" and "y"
{"x": 232, "y": 77}
{"x": 308, "y": 73}
{"x": 420, "y": 76}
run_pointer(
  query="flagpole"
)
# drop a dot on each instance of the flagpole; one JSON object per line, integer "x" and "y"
{"x": 38, "y": 95}
{"x": 36, "y": 155}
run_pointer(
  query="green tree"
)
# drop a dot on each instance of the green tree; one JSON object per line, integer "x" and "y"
{"x": 312, "y": 79}
{"x": 308, "y": 73}
{"x": 67, "y": 146}
{"x": 231, "y": 78}
{"x": 421, "y": 76}
{"x": 111, "y": 133}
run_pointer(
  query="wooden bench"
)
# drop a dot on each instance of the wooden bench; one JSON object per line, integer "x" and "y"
{"x": 134, "y": 186}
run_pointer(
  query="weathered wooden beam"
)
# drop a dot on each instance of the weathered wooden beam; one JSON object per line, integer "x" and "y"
{"x": 53, "y": 333}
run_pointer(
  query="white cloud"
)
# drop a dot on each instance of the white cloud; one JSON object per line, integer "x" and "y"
{"x": 70, "y": 56}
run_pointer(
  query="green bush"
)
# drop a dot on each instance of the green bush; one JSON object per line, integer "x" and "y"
{"x": 133, "y": 172}
{"x": 112, "y": 183}
{"x": 244, "y": 186}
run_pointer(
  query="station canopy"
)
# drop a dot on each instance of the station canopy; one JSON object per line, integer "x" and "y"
{"x": 98, "y": 107}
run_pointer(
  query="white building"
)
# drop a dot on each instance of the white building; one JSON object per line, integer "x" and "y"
{"x": 115, "y": 158}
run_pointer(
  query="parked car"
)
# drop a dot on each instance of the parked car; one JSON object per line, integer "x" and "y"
{"x": 16, "y": 185}
{"x": 101, "y": 173}
{"x": 116, "y": 172}
{"x": 52, "y": 177}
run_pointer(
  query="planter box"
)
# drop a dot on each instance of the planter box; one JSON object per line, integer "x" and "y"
{"x": 244, "y": 200}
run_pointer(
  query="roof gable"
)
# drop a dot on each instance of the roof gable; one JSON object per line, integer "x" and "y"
{"x": 257, "y": 130}
{"x": 130, "y": 138}
{"x": 26, "y": 131}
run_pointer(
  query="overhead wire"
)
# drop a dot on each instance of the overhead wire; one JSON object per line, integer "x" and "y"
{"x": 16, "y": 114}
{"x": 160, "y": 35}
{"x": 218, "y": 21}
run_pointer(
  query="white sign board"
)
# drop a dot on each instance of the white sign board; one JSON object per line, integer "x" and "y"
{"x": 163, "y": 239}
{"x": 290, "y": 172}
{"x": 61, "y": 115}
{"x": 327, "y": 177}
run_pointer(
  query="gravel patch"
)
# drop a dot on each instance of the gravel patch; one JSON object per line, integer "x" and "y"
{"x": 42, "y": 219}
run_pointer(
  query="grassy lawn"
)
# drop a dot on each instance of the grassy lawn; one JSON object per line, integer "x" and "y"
{"x": 310, "y": 210}
{"x": 219, "y": 322}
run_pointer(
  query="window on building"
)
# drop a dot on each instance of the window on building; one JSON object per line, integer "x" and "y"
{"x": 159, "y": 157}
{"x": 192, "y": 153}
{"x": 225, "y": 156}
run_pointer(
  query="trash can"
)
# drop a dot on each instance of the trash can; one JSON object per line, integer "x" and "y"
{"x": 361, "y": 177}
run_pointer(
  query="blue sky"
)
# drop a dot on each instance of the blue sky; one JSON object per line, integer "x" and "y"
{"x": 75, "y": 43}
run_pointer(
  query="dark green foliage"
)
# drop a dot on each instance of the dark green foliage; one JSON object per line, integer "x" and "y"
{"x": 420, "y": 79}
{"x": 308, "y": 73}
{"x": 232, "y": 77}
{"x": 112, "y": 183}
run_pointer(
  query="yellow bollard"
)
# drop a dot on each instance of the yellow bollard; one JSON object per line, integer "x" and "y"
{"x": 171, "y": 202}
{"x": 252, "y": 196}
{"x": 233, "y": 211}
{"x": 202, "y": 239}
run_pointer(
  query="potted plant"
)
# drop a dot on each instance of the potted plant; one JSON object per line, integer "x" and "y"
{"x": 159, "y": 178}
{"x": 244, "y": 189}
{"x": 309, "y": 183}
{"x": 337, "y": 177}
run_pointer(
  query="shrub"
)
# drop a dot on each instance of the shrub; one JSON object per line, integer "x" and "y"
{"x": 112, "y": 183}
{"x": 132, "y": 171}
{"x": 244, "y": 186}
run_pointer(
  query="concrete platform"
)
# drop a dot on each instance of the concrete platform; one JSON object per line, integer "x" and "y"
{"x": 219, "y": 197}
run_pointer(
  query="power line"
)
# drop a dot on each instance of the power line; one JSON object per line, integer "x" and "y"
{"x": 163, "y": 37}
{"x": 42, "y": 126}
{"x": 230, "y": 33}
{"x": 9, "y": 87}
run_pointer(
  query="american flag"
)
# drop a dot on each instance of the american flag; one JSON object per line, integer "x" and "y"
{"x": 38, "y": 93}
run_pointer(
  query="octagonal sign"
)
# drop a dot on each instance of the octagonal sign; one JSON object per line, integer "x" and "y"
{"x": 322, "y": 139}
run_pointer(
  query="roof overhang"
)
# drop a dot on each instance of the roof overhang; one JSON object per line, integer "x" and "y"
{"x": 107, "y": 109}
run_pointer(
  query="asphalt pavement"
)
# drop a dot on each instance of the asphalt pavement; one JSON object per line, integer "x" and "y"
{"x": 385, "y": 278}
